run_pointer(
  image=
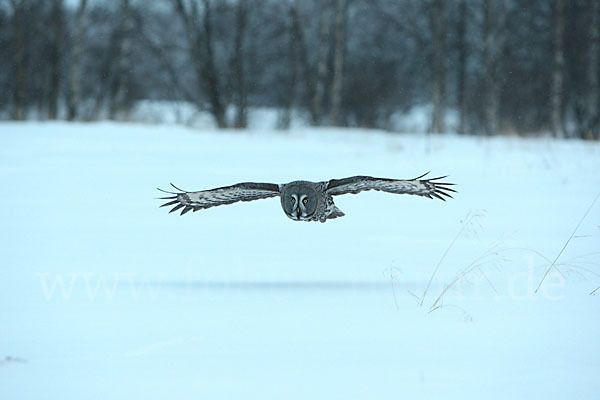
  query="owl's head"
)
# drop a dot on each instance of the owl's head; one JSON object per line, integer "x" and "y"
{"x": 299, "y": 201}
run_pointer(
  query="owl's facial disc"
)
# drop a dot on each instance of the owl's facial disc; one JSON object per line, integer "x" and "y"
{"x": 298, "y": 206}
{"x": 299, "y": 202}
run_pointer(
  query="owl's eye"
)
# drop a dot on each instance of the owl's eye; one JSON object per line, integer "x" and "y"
{"x": 293, "y": 200}
{"x": 305, "y": 201}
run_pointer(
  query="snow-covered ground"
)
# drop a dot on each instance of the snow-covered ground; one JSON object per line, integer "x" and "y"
{"x": 105, "y": 295}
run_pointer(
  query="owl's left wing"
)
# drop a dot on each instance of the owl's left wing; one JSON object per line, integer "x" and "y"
{"x": 194, "y": 201}
{"x": 417, "y": 186}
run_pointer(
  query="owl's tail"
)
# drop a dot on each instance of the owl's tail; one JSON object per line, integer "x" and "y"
{"x": 335, "y": 213}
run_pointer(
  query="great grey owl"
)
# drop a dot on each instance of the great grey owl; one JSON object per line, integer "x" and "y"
{"x": 303, "y": 200}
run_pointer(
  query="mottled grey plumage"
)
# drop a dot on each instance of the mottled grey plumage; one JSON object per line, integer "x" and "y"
{"x": 303, "y": 200}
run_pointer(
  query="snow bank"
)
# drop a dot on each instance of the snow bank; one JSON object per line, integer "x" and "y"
{"x": 105, "y": 295}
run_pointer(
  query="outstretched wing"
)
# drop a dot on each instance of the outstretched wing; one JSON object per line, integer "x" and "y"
{"x": 417, "y": 186}
{"x": 217, "y": 197}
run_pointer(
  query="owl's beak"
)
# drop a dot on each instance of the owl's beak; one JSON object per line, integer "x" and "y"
{"x": 298, "y": 213}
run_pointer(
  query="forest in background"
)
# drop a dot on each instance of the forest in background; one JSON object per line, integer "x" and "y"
{"x": 503, "y": 66}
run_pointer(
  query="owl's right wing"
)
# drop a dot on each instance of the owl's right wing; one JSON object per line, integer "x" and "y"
{"x": 416, "y": 186}
{"x": 220, "y": 196}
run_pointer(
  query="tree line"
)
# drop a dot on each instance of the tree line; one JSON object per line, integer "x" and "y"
{"x": 502, "y": 66}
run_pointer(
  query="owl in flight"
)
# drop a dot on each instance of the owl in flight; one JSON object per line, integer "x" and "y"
{"x": 303, "y": 200}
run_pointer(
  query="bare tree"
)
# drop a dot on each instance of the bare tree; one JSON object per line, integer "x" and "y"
{"x": 438, "y": 23}
{"x": 494, "y": 42}
{"x": 76, "y": 52}
{"x": 218, "y": 106}
{"x": 558, "y": 69}
{"x": 120, "y": 96}
{"x": 293, "y": 48}
{"x": 18, "y": 22}
{"x": 298, "y": 37}
{"x": 593, "y": 78}
{"x": 199, "y": 34}
{"x": 241, "y": 119}
{"x": 338, "y": 63}
{"x": 462, "y": 65}
{"x": 55, "y": 56}
{"x": 322, "y": 61}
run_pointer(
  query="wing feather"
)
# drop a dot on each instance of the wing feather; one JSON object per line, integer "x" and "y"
{"x": 421, "y": 187}
{"x": 194, "y": 201}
